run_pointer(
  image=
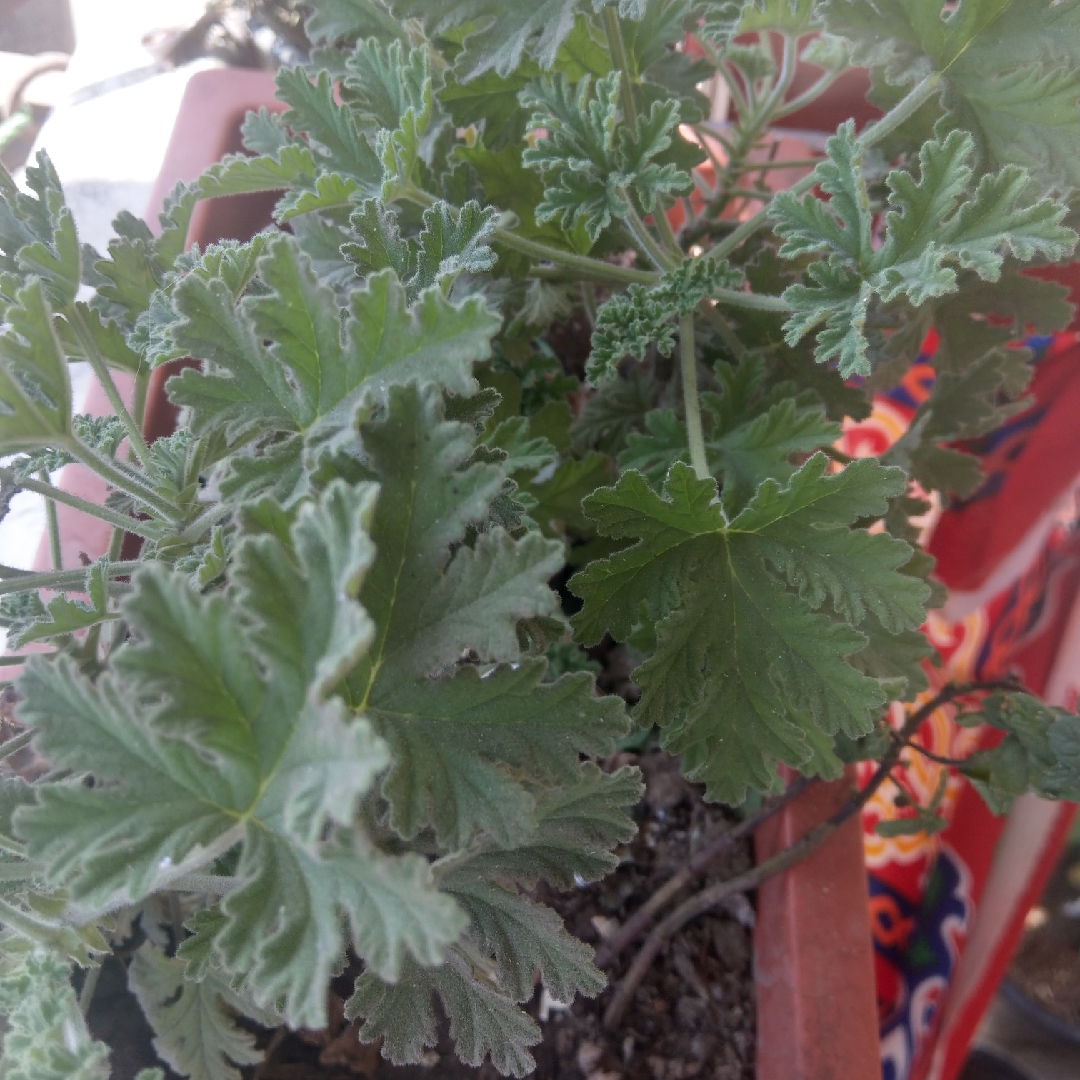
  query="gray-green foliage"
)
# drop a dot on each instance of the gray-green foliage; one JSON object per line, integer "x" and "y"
{"x": 315, "y": 712}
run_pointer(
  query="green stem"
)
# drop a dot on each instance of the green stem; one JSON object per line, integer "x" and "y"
{"x": 620, "y": 61}
{"x": 588, "y": 301}
{"x": 132, "y": 484}
{"x": 104, "y": 377}
{"x": 727, "y": 335}
{"x": 13, "y": 746}
{"x": 103, "y": 513}
{"x": 915, "y": 99}
{"x": 640, "y": 232}
{"x": 86, "y": 994}
{"x": 62, "y": 580}
{"x": 142, "y": 386}
{"x": 582, "y": 265}
{"x": 52, "y": 524}
{"x": 752, "y": 301}
{"x": 786, "y": 108}
{"x": 694, "y": 436}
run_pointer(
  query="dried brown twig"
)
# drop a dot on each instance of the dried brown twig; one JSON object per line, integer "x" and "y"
{"x": 804, "y": 846}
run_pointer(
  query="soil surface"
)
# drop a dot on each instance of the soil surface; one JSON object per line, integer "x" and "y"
{"x": 693, "y": 1015}
{"x": 1047, "y": 963}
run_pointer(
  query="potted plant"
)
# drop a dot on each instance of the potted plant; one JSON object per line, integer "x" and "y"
{"x": 315, "y": 717}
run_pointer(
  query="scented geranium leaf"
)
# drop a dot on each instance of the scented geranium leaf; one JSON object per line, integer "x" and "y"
{"x": 746, "y": 673}
{"x": 934, "y": 224}
{"x": 64, "y": 616}
{"x": 350, "y": 20}
{"x": 332, "y": 191}
{"x": 483, "y": 1020}
{"x": 237, "y": 174}
{"x": 750, "y": 437}
{"x": 194, "y": 1023}
{"x": 461, "y": 746}
{"x": 498, "y": 37}
{"x": 401, "y": 150}
{"x": 524, "y": 937}
{"x": 630, "y": 321}
{"x": 1040, "y": 753}
{"x": 453, "y": 241}
{"x": 1008, "y": 69}
{"x": 313, "y": 110}
{"x": 45, "y": 1035}
{"x": 315, "y": 370}
{"x": 524, "y": 451}
{"x": 626, "y": 325}
{"x": 578, "y": 826}
{"x": 960, "y": 406}
{"x": 35, "y": 393}
{"x": 384, "y": 82}
{"x": 197, "y": 684}
{"x": 590, "y": 163}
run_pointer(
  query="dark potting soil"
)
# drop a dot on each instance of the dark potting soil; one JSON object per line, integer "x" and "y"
{"x": 1046, "y": 967}
{"x": 692, "y": 1016}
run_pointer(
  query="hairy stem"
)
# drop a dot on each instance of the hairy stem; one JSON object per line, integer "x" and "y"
{"x": 640, "y": 231}
{"x": 688, "y": 369}
{"x": 54, "y": 494}
{"x": 911, "y": 103}
{"x": 804, "y": 846}
{"x": 594, "y": 269}
{"x": 86, "y": 994}
{"x": 131, "y": 484}
{"x": 60, "y": 579}
{"x": 620, "y": 61}
{"x": 52, "y": 524}
{"x": 104, "y": 377}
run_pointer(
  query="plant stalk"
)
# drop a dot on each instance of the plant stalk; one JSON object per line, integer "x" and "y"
{"x": 61, "y": 579}
{"x": 594, "y": 269}
{"x": 52, "y": 524}
{"x": 688, "y": 367}
{"x": 103, "y": 513}
{"x": 101, "y": 370}
{"x": 915, "y": 99}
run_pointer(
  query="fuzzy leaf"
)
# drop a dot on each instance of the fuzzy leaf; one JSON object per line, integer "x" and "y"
{"x": 746, "y": 673}
{"x": 499, "y": 36}
{"x": 318, "y": 366}
{"x": 590, "y": 162}
{"x": 45, "y": 1035}
{"x": 453, "y": 241}
{"x": 35, "y": 394}
{"x": 1040, "y": 753}
{"x": 461, "y": 743}
{"x": 1010, "y": 70}
{"x": 64, "y": 616}
{"x": 197, "y": 684}
{"x": 483, "y": 1020}
{"x": 195, "y": 1030}
{"x": 933, "y": 225}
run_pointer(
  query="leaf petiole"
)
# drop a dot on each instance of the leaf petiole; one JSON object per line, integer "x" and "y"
{"x": 688, "y": 361}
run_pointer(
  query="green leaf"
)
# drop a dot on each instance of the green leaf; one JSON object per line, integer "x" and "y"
{"x": 483, "y": 1021}
{"x": 64, "y": 616}
{"x": 1040, "y": 753}
{"x": 746, "y": 673}
{"x": 321, "y": 361}
{"x": 462, "y": 743}
{"x": 198, "y": 685}
{"x": 933, "y": 225}
{"x": 1010, "y": 70}
{"x": 195, "y": 1030}
{"x": 453, "y": 241}
{"x": 35, "y": 394}
{"x": 237, "y": 174}
{"x": 45, "y": 1035}
{"x": 349, "y": 20}
{"x": 630, "y": 321}
{"x": 314, "y": 111}
{"x": 751, "y": 437}
{"x": 960, "y": 406}
{"x": 498, "y": 37}
{"x": 590, "y": 163}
